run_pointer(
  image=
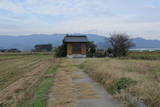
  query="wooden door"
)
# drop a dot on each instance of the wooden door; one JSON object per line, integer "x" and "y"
{"x": 76, "y": 48}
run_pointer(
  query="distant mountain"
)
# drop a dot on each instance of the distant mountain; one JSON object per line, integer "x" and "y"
{"x": 28, "y": 42}
{"x": 143, "y": 43}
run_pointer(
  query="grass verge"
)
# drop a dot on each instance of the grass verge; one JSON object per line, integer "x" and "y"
{"x": 40, "y": 99}
{"x": 41, "y": 93}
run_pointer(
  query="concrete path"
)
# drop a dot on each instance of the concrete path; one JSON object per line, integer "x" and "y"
{"x": 103, "y": 100}
{"x": 86, "y": 92}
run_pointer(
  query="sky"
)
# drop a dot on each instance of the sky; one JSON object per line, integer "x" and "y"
{"x": 137, "y": 18}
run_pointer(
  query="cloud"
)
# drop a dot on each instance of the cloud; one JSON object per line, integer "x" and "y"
{"x": 137, "y": 18}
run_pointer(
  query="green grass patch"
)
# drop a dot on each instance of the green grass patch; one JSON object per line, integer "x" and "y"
{"x": 40, "y": 99}
{"x": 42, "y": 92}
{"x": 120, "y": 84}
{"x": 52, "y": 69}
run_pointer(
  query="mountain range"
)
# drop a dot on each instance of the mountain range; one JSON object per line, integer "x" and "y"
{"x": 28, "y": 42}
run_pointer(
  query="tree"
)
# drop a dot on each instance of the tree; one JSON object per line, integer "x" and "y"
{"x": 43, "y": 47}
{"x": 91, "y": 47}
{"x": 109, "y": 50}
{"x": 61, "y": 51}
{"x": 120, "y": 44}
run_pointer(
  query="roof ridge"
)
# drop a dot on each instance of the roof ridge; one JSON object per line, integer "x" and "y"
{"x": 76, "y": 36}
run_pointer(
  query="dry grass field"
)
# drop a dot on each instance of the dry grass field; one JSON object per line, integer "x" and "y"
{"x": 127, "y": 77}
{"x": 24, "y": 79}
{"x": 12, "y": 67}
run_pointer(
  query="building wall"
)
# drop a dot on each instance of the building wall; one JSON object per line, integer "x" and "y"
{"x": 69, "y": 49}
{"x": 83, "y": 49}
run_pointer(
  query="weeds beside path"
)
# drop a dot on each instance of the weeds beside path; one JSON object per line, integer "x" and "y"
{"x": 134, "y": 82}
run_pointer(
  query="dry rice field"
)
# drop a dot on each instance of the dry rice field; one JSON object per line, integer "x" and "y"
{"x": 19, "y": 76}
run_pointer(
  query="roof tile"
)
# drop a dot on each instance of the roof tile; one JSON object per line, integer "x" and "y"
{"x": 78, "y": 38}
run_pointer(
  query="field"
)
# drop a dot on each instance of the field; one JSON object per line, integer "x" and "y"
{"x": 25, "y": 79}
{"x": 155, "y": 55}
{"x": 22, "y": 77}
{"x": 124, "y": 78}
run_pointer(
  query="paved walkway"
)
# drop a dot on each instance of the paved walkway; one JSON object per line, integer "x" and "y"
{"x": 103, "y": 100}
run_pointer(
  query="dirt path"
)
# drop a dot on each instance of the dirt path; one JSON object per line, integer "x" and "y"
{"x": 73, "y": 88}
{"x": 62, "y": 94}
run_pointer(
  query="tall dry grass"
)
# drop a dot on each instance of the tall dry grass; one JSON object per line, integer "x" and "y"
{"x": 138, "y": 78}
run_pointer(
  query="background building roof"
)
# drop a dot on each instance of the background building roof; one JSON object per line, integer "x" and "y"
{"x": 72, "y": 38}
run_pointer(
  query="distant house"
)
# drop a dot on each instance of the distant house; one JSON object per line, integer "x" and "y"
{"x": 76, "y": 45}
{"x": 43, "y": 48}
{"x": 13, "y": 50}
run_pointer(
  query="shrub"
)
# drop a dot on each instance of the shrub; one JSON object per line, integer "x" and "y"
{"x": 61, "y": 51}
{"x": 91, "y": 47}
{"x": 109, "y": 50}
{"x": 120, "y": 84}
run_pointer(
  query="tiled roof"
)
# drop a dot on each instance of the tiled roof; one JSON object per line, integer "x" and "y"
{"x": 78, "y": 38}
